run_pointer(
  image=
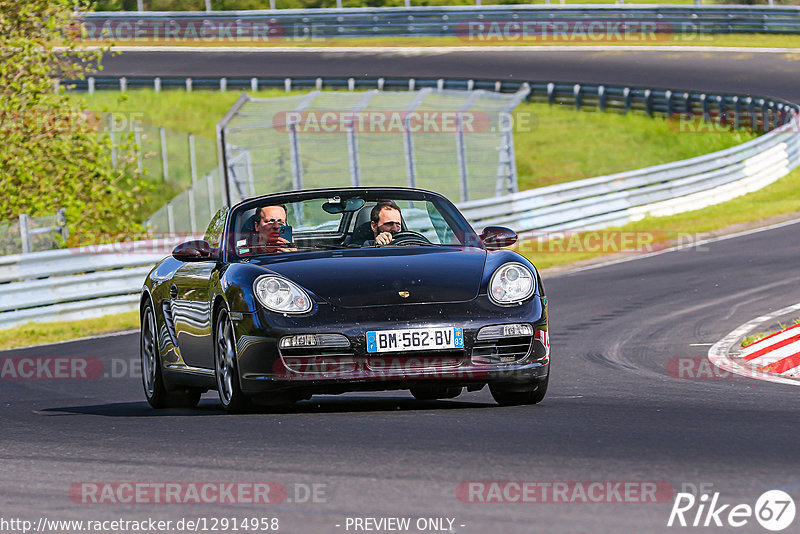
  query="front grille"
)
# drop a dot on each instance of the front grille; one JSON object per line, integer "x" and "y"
{"x": 504, "y": 350}
{"x": 319, "y": 360}
{"x": 446, "y": 359}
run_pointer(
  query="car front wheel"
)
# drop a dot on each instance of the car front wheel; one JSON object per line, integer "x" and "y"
{"x": 226, "y": 367}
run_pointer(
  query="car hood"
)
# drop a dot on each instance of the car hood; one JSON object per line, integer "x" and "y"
{"x": 381, "y": 276}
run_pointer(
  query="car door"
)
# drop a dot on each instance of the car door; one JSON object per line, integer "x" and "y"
{"x": 191, "y": 296}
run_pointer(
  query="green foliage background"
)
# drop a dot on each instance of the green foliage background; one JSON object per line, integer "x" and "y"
{"x": 53, "y": 154}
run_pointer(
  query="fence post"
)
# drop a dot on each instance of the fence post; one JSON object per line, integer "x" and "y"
{"x": 137, "y": 138}
{"x": 208, "y": 5}
{"x": 111, "y": 137}
{"x": 272, "y": 5}
{"x": 352, "y": 152}
{"x": 164, "y": 163}
{"x": 140, "y": 5}
{"x": 506, "y": 171}
{"x": 294, "y": 155}
{"x": 170, "y": 219}
{"x": 25, "y": 232}
{"x": 461, "y": 155}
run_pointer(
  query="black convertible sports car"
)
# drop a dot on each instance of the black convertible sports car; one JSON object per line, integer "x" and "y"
{"x": 335, "y": 290}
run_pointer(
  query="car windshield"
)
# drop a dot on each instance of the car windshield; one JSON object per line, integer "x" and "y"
{"x": 337, "y": 221}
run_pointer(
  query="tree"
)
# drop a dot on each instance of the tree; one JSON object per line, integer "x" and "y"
{"x": 53, "y": 154}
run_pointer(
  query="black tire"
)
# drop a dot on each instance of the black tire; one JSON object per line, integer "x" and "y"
{"x": 512, "y": 396}
{"x": 226, "y": 367}
{"x": 155, "y": 391}
{"x": 433, "y": 392}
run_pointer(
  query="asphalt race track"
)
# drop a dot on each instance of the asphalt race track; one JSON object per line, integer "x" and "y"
{"x": 616, "y": 411}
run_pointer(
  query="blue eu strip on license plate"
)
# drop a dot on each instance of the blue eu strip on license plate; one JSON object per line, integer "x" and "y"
{"x": 448, "y": 337}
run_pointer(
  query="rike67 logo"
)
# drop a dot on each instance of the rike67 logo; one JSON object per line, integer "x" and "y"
{"x": 774, "y": 510}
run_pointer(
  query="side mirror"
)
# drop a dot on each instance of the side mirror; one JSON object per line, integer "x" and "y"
{"x": 497, "y": 237}
{"x": 194, "y": 251}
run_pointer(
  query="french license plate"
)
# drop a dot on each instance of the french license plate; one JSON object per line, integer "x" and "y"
{"x": 450, "y": 337}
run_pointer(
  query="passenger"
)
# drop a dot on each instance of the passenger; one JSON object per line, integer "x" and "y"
{"x": 268, "y": 224}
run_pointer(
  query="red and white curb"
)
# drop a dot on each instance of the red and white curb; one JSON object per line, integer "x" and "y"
{"x": 775, "y": 358}
{"x": 778, "y": 353}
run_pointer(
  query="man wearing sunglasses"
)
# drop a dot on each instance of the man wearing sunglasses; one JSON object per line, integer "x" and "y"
{"x": 385, "y": 220}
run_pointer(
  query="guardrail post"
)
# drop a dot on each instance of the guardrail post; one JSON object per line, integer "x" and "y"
{"x": 648, "y": 102}
{"x": 318, "y": 84}
{"x": 380, "y": 84}
{"x": 25, "y": 232}
{"x": 601, "y": 97}
{"x": 223, "y": 84}
{"x": 254, "y": 84}
{"x": 164, "y": 162}
{"x": 287, "y": 84}
{"x": 626, "y": 94}
{"x": 157, "y": 84}
{"x": 470, "y": 85}
{"x": 90, "y": 85}
{"x": 411, "y": 84}
{"x": 351, "y": 84}
{"x": 668, "y": 99}
{"x": 440, "y": 84}
{"x": 704, "y": 104}
{"x": 576, "y": 91}
{"x": 123, "y": 84}
{"x": 188, "y": 85}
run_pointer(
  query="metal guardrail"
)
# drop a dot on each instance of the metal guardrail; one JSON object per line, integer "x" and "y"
{"x": 511, "y": 22}
{"x": 69, "y": 284}
{"x": 111, "y": 281}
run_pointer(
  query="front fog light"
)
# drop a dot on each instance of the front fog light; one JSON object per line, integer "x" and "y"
{"x": 314, "y": 340}
{"x": 505, "y": 330}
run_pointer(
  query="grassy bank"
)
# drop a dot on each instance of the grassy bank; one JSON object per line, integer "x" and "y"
{"x": 552, "y": 143}
{"x": 40, "y": 333}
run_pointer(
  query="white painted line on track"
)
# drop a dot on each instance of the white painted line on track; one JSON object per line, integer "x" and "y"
{"x": 684, "y": 247}
{"x": 439, "y": 50}
{"x": 718, "y": 354}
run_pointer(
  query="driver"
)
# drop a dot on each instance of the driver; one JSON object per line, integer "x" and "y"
{"x": 385, "y": 220}
{"x": 268, "y": 223}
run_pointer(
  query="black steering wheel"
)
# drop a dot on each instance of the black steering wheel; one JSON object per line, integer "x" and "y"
{"x": 408, "y": 236}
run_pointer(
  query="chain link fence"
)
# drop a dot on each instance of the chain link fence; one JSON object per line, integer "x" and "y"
{"x": 33, "y": 234}
{"x": 459, "y": 143}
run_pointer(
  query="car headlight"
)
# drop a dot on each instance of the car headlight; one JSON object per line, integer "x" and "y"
{"x": 281, "y": 295}
{"x": 511, "y": 283}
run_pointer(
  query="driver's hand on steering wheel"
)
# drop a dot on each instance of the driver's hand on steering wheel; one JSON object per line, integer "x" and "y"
{"x": 383, "y": 238}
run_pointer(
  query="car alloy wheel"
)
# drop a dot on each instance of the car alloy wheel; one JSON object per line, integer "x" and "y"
{"x": 155, "y": 390}
{"x": 226, "y": 370}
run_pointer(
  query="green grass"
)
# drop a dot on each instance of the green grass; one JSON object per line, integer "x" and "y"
{"x": 779, "y": 198}
{"x": 40, "y": 333}
{"x": 749, "y": 340}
